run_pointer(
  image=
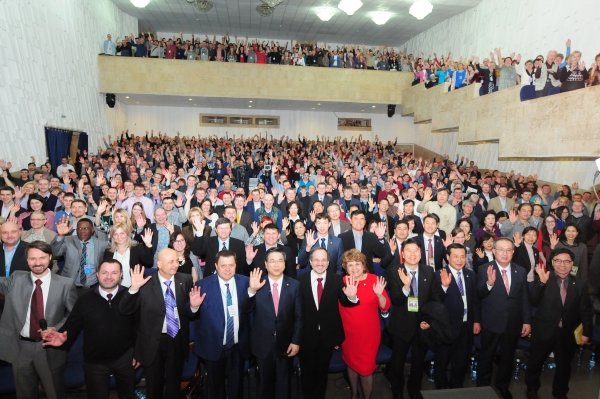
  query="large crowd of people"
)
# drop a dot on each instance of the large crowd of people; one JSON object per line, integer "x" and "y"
{"x": 565, "y": 72}
{"x": 277, "y": 248}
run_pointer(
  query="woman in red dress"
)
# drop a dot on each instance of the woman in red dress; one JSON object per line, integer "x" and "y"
{"x": 361, "y": 322}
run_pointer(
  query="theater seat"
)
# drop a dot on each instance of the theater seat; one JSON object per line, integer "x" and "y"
{"x": 378, "y": 269}
{"x": 303, "y": 270}
{"x": 596, "y": 335}
{"x": 74, "y": 377}
{"x": 384, "y": 353}
{"x": 7, "y": 381}
{"x": 553, "y": 91}
{"x": 336, "y": 364}
{"x": 527, "y": 93}
{"x": 150, "y": 271}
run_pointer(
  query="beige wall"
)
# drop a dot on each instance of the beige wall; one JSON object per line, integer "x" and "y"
{"x": 215, "y": 79}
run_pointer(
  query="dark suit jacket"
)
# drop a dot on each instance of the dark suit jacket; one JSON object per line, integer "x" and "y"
{"x": 327, "y": 200}
{"x": 403, "y": 323}
{"x": 151, "y": 304}
{"x": 138, "y": 255}
{"x": 138, "y": 237}
{"x": 391, "y": 222}
{"x": 287, "y": 324}
{"x": 246, "y": 219}
{"x": 498, "y": 311}
{"x": 210, "y": 319}
{"x": 521, "y": 257}
{"x": 344, "y": 227}
{"x": 335, "y": 247}
{"x": 283, "y": 208}
{"x": 19, "y": 261}
{"x": 323, "y": 324}
{"x": 51, "y": 201}
{"x": 439, "y": 251}
{"x": 250, "y": 207}
{"x": 259, "y": 260}
{"x": 207, "y": 248}
{"x": 550, "y": 310}
{"x": 453, "y": 301}
{"x": 371, "y": 247}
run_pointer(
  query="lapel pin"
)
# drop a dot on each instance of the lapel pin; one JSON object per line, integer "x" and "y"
{"x": 287, "y": 284}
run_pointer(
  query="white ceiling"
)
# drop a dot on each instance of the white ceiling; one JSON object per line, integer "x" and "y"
{"x": 293, "y": 20}
{"x": 244, "y": 103}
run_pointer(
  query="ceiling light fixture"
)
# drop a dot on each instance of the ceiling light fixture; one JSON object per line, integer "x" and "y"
{"x": 381, "y": 17}
{"x": 264, "y": 10}
{"x": 203, "y": 5}
{"x": 325, "y": 13}
{"x": 350, "y": 6}
{"x": 420, "y": 9}
{"x": 250, "y": 101}
{"x": 140, "y": 3}
{"x": 190, "y": 1}
{"x": 126, "y": 96}
{"x": 249, "y": 106}
{"x": 190, "y": 99}
{"x": 374, "y": 106}
{"x": 272, "y": 3}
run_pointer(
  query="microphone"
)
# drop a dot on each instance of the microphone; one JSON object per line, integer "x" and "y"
{"x": 43, "y": 324}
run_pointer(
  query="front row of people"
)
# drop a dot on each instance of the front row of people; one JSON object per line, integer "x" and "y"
{"x": 312, "y": 316}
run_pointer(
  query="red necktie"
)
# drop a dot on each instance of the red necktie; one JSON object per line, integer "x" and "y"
{"x": 505, "y": 279}
{"x": 319, "y": 289}
{"x": 37, "y": 311}
{"x": 275, "y": 298}
{"x": 563, "y": 295}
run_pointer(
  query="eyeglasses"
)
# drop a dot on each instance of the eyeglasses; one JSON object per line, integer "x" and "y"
{"x": 180, "y": 241}
{"x": 504, "y": 250}
{"x": 566, "y": 262}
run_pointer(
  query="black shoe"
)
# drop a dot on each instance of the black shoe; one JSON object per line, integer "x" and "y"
{"x": 505, "y": 393}
{"x": 531, "y": 394}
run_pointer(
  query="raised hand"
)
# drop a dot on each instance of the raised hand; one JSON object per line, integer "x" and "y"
{"x": 380, "y": 230}
{"x": 351, "y": 288}
{"x": 285, "y": 223}
{"x": 140, "y": 221}
{"x": 393, "y": 245}
{"x": 479, "y": 253}
{"x": 18, "y": 193}
{"x": 179, "y": 201}
{"x": 448, "y": 240}
{"x": 137, "y": 278}
{"x": 553, "y": 240}
{"x": 427, "y": 194}
{"x": 512, "y": 216}
{"x": 542, "y": 273}
{"x": 311, "y": 240}
{"x": 518, "y": 238}
{"x": 400, "y": 213}
{"x": 147, "y": 237}
{"x": 445, "y": 277}
{"x": 121, "y": 196}
{"x": 313, "y": 215}
{"x": 196, "y": 298}
{"x": 170, "y": 227}
{"x": 250, "y": 252}
{"x": 405, "y": 278}
{"x": 379, "y": 286}
{"x": 254, "y": 226}
{"x": 491, "y": 273}
{"x": 255, "y": 284}
{"x": 62, "y": 227}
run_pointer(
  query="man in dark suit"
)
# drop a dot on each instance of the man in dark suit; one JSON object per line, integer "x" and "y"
{"x": 381, "y": 216}
{"x": 321, "y": 238}
{"x": 370, "y": 244}
{"x": 338, "y": 226}
{"x": 433, "y": 250}
{"x": 30, "y": 297}
{"x": 290, "y": 196}
{"x": 411, "y": 286}
{"x": 163, "y": 334}
{"x": 323, "y": 331}
{"x": 321, "y": 196}
{"x": 458, "y": 296}
{"x": 255, "y": 256}
{"x": 222, "y": 326}
{"x": 401, "y": 231}
{"x": 502, "y": 314}
{"x": 277, "y": 327}
{"x": 563, "y": 304}
{"x": 207, "y": 248}
{"x": 242, "y": 217}
{"x": 43, "y": 190}
{"x": 254, "y": 203}
{"x": 12, "y": 252}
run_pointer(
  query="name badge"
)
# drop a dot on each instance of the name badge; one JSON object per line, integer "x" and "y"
{"x": 297, "y": 261}
{"x": 413, "y": 304}
{"x": 431, "y": 262}
{"x": 176, "y": 313}
{"x": 574, "y": 270}
{"x": 87, "y": 269}
{"x": 232, "y": 311}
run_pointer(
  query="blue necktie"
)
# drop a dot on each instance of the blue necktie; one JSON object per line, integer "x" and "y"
{"x": 413, "y": 284}
{"x": 323, "y": 243}
{"x": 230, "y": 324}
{"x": 82, "y": 263}
{"x": 224, "y": 247}
{"x": 460, "y": 288}
{"x": 170, "y": 304}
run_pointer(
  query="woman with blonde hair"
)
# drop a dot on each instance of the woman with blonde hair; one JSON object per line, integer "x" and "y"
{"x": 22, "y": 194}
{"x": 127, "y": 251}
{"x": 574, "y": 75}
{"x": 189, "y": 231}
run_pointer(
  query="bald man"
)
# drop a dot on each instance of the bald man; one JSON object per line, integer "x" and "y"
{"x": 12, "y": 254}
{"x": 162, "y": 342}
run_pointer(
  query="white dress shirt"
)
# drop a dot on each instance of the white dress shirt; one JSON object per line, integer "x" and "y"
{"x": 124, "y": 259}
{"x": 234, "y": 305}
{"x": 407, "y": 293}
{"x": 319, "y": 238}
{"x": 104, "y": 294}
{"x": 314, "y": 284}
{"x": 45, "y": 289}
{"x": 271, "y": 281}
{"x": 163, "y": 287}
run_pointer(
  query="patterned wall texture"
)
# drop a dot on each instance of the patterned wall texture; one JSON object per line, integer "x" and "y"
{"x": 528, "y": 27}
{"x": 48, "y": 69}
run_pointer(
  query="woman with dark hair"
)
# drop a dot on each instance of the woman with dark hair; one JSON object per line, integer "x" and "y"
{"x": 179, "y": 244}
{"x": 569, "y": 239}
{"x": 483, "y": 252}
{"x": 489, "y": 226}
{"x": 561, "y": 213}
{"x": 536, "y": 220}
{"x": 35, "y": 202}
{"x": 295, "y": 238}
{"x": 210, "y": 217}
{"x": 467, "y": 227}
{"x": 548, "y": 229}
{"x": 526, "y": 254}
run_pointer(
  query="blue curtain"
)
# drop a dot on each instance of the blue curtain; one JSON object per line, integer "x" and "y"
{"x": 82, "y": 145}
{"x": 58, "y": 142}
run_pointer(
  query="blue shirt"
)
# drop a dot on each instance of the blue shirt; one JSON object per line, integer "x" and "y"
{"x": 8, "y": 257}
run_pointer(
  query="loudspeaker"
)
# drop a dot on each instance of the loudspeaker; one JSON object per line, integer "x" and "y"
{"x": 110, "y": 100}
{"x": 391, "y": 110}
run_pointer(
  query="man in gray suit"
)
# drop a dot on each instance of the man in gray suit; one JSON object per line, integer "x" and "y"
{"x": 83, "y": 252}
{"x": 31, "y": 297}
{"x": 338, "y": 226}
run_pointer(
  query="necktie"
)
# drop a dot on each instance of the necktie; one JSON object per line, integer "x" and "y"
{"x": 429, "y": 251}
{"x": 230, "y": 323}
{"x": 224, "y": 247}
{"x": 37, "y": 311}
{"x": 413, "y": 284}
{"x": 82, "y": 263}
{"x": 460, "y": 284}
{"x": 275, "y": 298}
{"x": 170, "y": 304}
{"x": 319, "y": 289}
{"x": 505, "y": 279}
{"x": 237, "y": 218}
{"x": 323, "y": 243}
{"x": 400, "y": 253}
{"x": 109, "y": 297}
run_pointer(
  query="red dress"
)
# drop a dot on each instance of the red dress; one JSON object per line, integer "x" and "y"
{"x": 362, "y": 328}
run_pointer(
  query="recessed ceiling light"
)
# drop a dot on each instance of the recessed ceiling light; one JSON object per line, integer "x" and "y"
{"x": 249, "y": 106}
{"x": 319, "y": 104}
{"x": 195, "y": 104}
{"x": 325, "y": 13}
{"x": 312, "y": 108}
{"x": 190, "y": 99}
{"x": 373, "y": 106}
{"x": 380, "y": 17}
{"x": 126, "y": 96}
{"x": 140, "y": 3}
{"x": 250, "y": 101}
{"x": 362, "y": 110}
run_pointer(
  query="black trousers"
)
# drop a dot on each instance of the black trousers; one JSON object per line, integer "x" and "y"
{"x": 399, "y": 353}
{"x": 458, "y": 355}
{"x": 315, "y": 370}
{"x": 97, "y": 377}
{"x": 169, "y": 359}
{"x": 226, "y": 375}
{"x": 275, "y": 373}
{"x": 564, "y": 347}
{"x": 489, "y": 344}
